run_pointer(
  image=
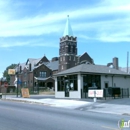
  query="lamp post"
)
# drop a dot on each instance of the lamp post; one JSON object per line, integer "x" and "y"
{"x": 17, "y": 84}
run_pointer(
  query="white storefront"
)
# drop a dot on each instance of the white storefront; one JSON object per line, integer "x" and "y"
{"x": 103, "y": 76}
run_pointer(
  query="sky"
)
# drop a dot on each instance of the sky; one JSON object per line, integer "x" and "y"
{"x": 32, "y": 29}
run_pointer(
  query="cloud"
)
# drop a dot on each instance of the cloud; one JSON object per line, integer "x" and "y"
{"x": 45, "y": 45}
{"x": 105, "y": 19}
{"x": 11, "y": 44}
{"x": 116, "y": 30}
{"x": 32, "y": 42}
{"x": 114, "y": 37}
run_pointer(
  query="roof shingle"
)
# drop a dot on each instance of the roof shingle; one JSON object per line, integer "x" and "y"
{"x": 99, "y": 69}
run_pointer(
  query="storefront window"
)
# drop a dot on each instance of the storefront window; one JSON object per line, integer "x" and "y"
{"x": 67, "y": 82}
{"x": 75, "y": 85}
{"x": 91, "y": 81}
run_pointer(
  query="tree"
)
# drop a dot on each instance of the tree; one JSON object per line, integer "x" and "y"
{"x": 5, "y": 74}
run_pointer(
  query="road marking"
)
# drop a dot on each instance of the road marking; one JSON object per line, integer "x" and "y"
{"x": 109, "y": 128}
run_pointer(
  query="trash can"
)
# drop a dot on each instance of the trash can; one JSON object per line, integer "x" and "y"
{"x": 0, "y": 95}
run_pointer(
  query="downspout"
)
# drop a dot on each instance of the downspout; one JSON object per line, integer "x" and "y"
{"x": 112, "y": 80}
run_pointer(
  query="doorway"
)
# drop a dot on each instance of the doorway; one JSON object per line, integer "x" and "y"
{"x": 106, "y": 85}
{"x": 67, "y": 89}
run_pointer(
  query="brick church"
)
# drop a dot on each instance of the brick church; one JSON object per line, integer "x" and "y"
{"x": 38, "y": 73}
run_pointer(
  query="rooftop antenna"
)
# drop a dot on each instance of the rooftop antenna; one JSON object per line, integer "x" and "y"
{"x": 127, "y": 62}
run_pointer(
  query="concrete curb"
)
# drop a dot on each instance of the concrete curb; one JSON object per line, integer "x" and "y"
{"x": 27, "y": 101}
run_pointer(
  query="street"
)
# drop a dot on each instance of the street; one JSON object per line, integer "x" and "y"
{"x": 24, "y": 116}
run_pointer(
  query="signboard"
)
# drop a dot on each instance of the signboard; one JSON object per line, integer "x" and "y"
{"x": 19, "y": 81}
{"x": 25, "y": 93}
{"x": 11, "y": 71}
{"x": 95, "y": 93}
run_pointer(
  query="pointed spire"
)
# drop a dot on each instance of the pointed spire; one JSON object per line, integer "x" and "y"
{"x": 68, "y": 29}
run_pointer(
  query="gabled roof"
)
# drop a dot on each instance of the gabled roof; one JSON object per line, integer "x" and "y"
{"x": 22, "y": 65}
{"x": 85, "y": 53}
{"x": 85, "y": 56}
{"x": 43, "y": 59}
{"x": 33, "y": 61}
{"x": 97, "y": 69}
{"x": 36, "y": 61}
{"x": 17, "y": 67}
{"x": 68, "y": 30}
{"x": 53, "y": 65}
{"x": 42, "y": 64}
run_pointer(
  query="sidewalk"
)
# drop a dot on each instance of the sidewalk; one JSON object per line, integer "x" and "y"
{"x": 110, "y": 108}
{"x": 64, "y": 103}
{"x": 113, "y": 106}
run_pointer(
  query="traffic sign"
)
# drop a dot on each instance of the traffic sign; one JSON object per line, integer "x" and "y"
{"x": 19, "y": 81}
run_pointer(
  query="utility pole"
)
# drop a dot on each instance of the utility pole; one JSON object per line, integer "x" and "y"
{"x": 127, "y": 62}
{"x": 17, "y": 80}
{"x": 17, "y": 83}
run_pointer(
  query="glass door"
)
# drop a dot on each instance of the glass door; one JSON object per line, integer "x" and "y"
{"x": 67, "y": 88}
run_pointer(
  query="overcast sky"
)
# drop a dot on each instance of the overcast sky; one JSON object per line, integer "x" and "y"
{"x": 32, "y": 28}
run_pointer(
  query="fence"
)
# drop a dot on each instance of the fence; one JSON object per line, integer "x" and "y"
{"x": 116, "y": 93}
{"x": 110, "y": 92}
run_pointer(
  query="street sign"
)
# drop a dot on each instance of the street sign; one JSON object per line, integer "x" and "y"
{"x": 95, "y": 93}
{"x": 19, "y": 81}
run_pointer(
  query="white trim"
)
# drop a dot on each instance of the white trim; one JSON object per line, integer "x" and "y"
{"x": 62, "y": 67}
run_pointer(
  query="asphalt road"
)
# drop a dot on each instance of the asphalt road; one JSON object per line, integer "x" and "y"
{"x": 23, "y": 116}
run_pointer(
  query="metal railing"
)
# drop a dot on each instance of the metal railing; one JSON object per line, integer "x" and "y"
{"x": 111, "y": 93}
{"x": 116, "y": 93}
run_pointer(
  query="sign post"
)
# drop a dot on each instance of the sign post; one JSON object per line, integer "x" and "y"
{"x": 95, "y": 99}
{"x": 16, "y": 85}
{"x": 13, "y": 72}
{"x": 6, "y": 86}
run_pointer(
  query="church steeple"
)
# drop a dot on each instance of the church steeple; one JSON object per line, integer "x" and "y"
{"x": 68, "y": 49}
{"x": 68, "y": 30}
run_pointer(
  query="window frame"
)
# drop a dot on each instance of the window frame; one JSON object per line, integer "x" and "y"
{"x": 72, "y": 79}
{"x": 43, "y": 74}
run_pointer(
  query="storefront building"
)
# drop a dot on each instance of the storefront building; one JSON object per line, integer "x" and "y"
{"x": 75, "y": 82}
